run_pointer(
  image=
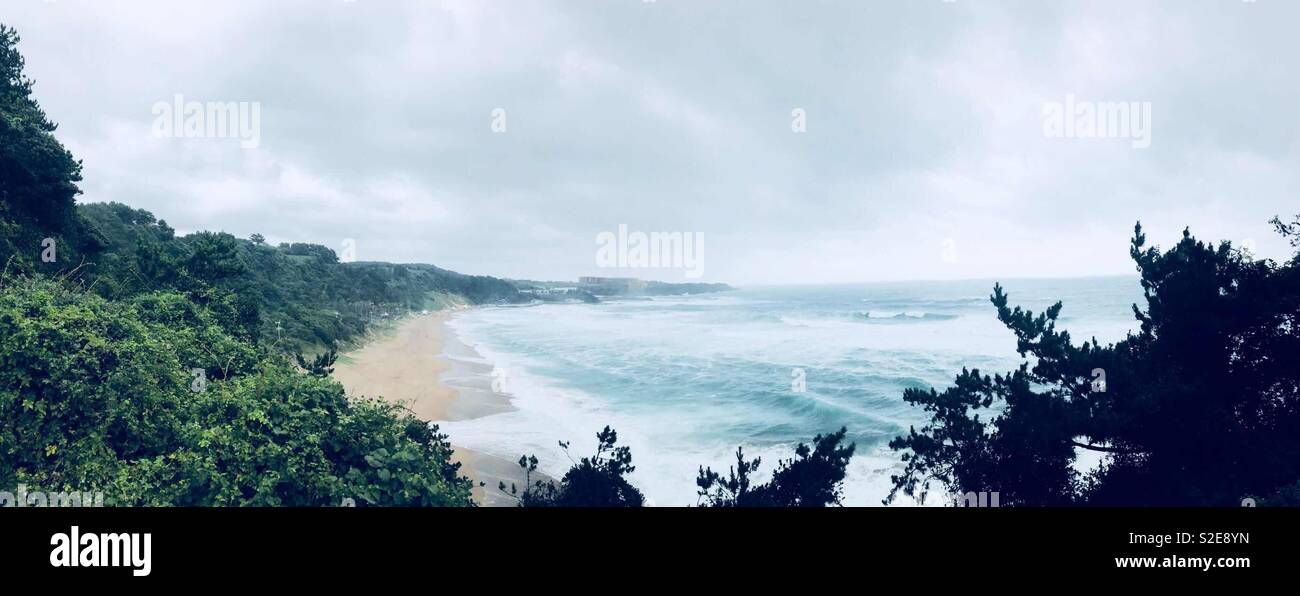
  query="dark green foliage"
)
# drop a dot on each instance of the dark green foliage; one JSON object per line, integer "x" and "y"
{"x": 281, "y": 438}
{"x": 1200, "y": 407}
{"x": 596, "y": 481}
{"x": 214, "y": 259}
{"x": 320, "y": 366}
{"x": 144, "y": 257}
{"x": 1290, "y": 231}
{"x": 38, "y": 177}
{"x": 297, "y": 297}
{"x": 151, "y": 387}
{"x": 814, "y": 478}
{"x": 659, "y": 288}
{"x": 152, "y": 402}
{"x": 86, "y": 385}
{"x": 1286, "y": 496}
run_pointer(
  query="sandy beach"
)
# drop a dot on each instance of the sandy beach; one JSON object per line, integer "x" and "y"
{"x": 421, "y": 364}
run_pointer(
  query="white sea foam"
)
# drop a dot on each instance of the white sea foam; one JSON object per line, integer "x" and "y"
{"x": 686, "y": 380}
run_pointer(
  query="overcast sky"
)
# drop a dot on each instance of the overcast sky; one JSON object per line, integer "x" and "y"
{"x": 924, "y": 157}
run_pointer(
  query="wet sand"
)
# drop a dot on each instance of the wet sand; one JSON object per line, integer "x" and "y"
{"x": 421, "y": 364}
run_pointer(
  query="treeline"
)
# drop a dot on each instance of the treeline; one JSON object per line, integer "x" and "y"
{"x": 299, "y": 296}
{"x": 162, "y": 370}
{"x": 659, "y": 288}
{"x": 154, "y": 368}
{"x": 814, "y": 477}
{"x": 153, "y": 401}
{"x": 1199, "y": 407}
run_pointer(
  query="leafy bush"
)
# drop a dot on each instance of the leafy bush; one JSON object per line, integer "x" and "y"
{"x": 596, "y": 481}
{"x": 813, "y": 478}
{"x": 152, "y": 402}
{"x": 297, "y": 297}
{"x": 1200, "y": 407}
{"x": 38, "y": 178}
{"x": 282, "y": 438}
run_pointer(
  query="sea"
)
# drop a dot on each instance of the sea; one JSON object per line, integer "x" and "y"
{"x": 686, "y": 380}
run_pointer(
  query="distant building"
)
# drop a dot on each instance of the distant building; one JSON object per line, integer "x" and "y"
{"x": 547, "y": 291}
{"x": 611, "y": 285}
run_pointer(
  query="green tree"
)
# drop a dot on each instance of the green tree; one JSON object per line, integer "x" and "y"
{"x": 813, "y": 478}
{"x": 297, "y": 297}
{"x": 38, "y": 177}
{"x": 596, "y": 481}
{"x": 153, "y": 402}
{"x": 214, "y": 258}
{"x": 322, "y": 365}
{"x": 1200, "y": 407}
{"x": 282, "y": 438}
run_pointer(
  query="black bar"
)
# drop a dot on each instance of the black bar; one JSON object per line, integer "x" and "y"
{"x": 326, "y": 544}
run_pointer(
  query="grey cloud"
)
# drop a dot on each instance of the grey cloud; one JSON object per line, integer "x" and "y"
{"x": 924, "y": 124}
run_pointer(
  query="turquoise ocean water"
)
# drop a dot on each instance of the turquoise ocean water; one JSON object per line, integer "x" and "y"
{"x": 685, "y": 380}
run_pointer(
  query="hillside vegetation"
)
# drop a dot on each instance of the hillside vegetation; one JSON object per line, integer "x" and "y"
{"x": 155, "y": 369}
{"x": 298, "y": 296}
{"x": 165, "y": 370}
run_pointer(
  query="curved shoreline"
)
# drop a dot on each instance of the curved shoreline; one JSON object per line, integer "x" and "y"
{"x": 422, "y": 365}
